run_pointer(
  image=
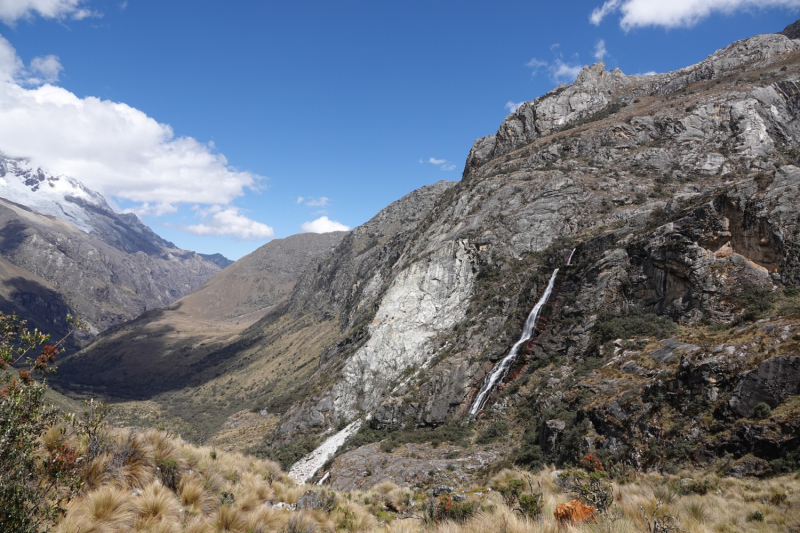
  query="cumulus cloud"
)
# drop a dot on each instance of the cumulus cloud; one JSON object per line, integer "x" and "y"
{"x": 513, "y": 106}
{"x": 323, "y": 225}
{"x": 109, "y": 146}
{"x": 600, "y": 51}
{"x": 680, "y": 13}
{"x": 227, "y": 220}
{"x": 13, "y": 10}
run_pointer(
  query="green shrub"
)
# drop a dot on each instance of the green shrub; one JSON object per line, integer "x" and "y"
{"x": 634, "y": 322}
{"x": 757, "y": 304}
{"x": 169, "y": 470}
{"x": 445, "y": 508}
{"x": 755, "y": 516}
{"x": 592, "y": 487}
{"x": 791, "y": 291}
{"x": 762, "y": 411}
{"x": 388, "y": 446}
{"x": 494, "y": 431}
{"x": 511, "y": 492}
{"x": 530, "y": 505}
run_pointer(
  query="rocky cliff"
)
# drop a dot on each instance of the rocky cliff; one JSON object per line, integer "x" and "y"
{"x": 671, "y": 337}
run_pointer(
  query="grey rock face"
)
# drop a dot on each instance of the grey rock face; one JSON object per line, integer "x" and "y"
{"x": 549, "y": 436}
{"x": 671, "y": 349}
{"x": 772, "y": 382}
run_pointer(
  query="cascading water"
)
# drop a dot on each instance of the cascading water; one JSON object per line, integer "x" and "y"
{"x": 501, "y": 369}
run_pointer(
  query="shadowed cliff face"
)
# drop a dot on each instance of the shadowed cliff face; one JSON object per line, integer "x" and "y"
{"x": 679, "y": 193}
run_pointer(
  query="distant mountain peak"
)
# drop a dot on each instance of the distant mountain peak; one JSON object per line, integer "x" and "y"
{"x": 59, "y": 196}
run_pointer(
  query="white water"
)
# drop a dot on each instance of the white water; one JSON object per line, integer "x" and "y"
{"x": 501, "y": 369}
{"x": 306, "y": 467}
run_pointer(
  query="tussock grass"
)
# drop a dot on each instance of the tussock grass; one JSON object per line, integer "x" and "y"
{"x": 232, "y": 493}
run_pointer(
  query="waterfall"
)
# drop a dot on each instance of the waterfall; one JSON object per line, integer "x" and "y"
{"x": 500, "y": 370}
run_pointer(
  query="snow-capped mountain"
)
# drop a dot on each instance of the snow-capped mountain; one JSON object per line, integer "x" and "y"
{"x": 58, "y": 196}
{"x": 78, "y": 254}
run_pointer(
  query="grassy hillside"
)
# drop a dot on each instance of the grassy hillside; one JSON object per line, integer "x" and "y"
{"x": 152, "y": 481}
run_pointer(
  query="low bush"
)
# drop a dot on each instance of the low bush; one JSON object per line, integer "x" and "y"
{"x": 445, "y": 508}
{"x": 634, "y": 322}
{"x": 756, "y": 303}
{"x": 762, "y": 411}
{"x": 590, "y": 485}
{"x": 493, "y": 432}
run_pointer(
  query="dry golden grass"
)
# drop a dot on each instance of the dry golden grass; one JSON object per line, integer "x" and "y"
{"x": 229, "y": 492}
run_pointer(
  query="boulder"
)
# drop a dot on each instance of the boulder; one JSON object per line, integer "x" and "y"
{"x": 309, "y": 500}
{"x": 772, "y": 382}
{"x": 549, "y": 434}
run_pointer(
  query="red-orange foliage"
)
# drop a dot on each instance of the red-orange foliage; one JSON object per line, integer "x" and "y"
{"x": 591, "y": 463}
{"x": 574, "y": 512}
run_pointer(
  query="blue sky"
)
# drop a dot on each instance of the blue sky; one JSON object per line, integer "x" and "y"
{"x": 216, "y": 116}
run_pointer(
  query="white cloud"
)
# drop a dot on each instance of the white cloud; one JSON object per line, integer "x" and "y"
{"x": 513, "y": 106}
{"x": 322, "y": 201}
{"x": 323, "y": 225}
{"x": 444, "y": 164}
{"x": 600, "y": 51}
{"x": 564, "y": 72}
{"x": 599, "y": 13}
{"x": 43, "y": 70}
{"x": 300, "y": 199}
{"x": 13, "y": 10}
{"x": 559, "y": 71}
{"x": 109, "y": 146}
{"x": 226, "y": 220}
{"x": 536, "y": 64}
{"x": 678, "y": 13}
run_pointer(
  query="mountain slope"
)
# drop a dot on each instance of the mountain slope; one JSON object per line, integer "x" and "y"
{"x": 105, "y": 267}
{"x": 679, "y": 194}
{"x": 165, "y": 348}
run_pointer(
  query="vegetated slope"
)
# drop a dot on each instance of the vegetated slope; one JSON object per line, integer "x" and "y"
{"x": 153, "y": 480}
{"x": 105, "y": 267}
{"x": 163, "y": 349}
{"x": 680, "y": 194}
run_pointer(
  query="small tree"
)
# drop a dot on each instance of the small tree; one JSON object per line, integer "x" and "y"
{"x": 591, "y": 486}
{"x": 36, "y": 480}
